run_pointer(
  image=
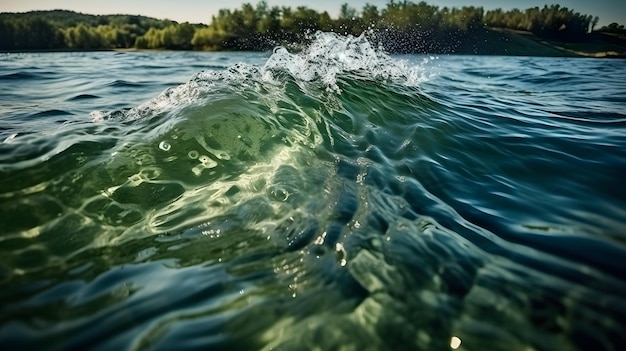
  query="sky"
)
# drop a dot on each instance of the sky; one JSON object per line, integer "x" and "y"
{"x": 201, "y": 11}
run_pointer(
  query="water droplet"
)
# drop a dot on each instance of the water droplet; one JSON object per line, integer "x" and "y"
{"x": 455, "y": 342}
{"x": 193, "y": 154}
{"x": 165, "y": 146}
{"x": 341, "y": 254}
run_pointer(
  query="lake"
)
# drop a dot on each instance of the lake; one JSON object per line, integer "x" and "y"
{"x": 337, "y": 198}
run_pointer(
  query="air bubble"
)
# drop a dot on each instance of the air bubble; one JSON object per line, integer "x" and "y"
{"x": 279, "y": 194}
{"x": 205, "y": 162}
{"x": 165, "y": 146}
{"x": 193, "y": 154}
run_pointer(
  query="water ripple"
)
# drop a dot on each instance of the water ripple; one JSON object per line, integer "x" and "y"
{"x": 332, "y": 198}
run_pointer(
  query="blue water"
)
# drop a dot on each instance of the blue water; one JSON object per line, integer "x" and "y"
{"x": 337, "y": 198}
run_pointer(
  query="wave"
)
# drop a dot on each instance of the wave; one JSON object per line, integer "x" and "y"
{"x": 122, "y": 84}
{"x": 50, "y": 113}
{"x": 83, "y": 97}
{"x": 323, "y": 193}
{"x": 328, "y": 57}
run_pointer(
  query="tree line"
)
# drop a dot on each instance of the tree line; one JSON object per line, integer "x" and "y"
{"x": 399, "y": 26}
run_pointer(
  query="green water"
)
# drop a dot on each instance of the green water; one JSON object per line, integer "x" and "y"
{"x": 336, "y": 198}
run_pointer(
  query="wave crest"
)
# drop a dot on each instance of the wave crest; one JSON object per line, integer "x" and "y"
{"x": 328, "y": 57}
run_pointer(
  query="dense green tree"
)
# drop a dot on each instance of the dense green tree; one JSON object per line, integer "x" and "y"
{"x": 466, "y": 18}
{"x": 347, "y": 13}
{"x": 370, "y": 15}
{"x": 208, "y": 38}
{"x": 83, "y": 37}
{"x": 172, "y": 37}
{"x": 402, "y": 26}
{"x": 29, "y": 33}
{"x": 614, "y": 28}
{"x": 180, "y": 36}
{"x": 60, "y": 29}
{"x": 268, "y": 20}
{"x": 553, "y": 21}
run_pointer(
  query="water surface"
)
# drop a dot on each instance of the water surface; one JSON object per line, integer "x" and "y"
{"x": 337, "y": 198}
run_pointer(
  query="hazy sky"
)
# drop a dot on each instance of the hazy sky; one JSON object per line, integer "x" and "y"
{"x": 200, "y": 11}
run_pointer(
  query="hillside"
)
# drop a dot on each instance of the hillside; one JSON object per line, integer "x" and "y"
{"x": 502, "y": 41}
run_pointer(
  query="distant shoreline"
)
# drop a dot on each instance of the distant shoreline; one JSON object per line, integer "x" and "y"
{"x": 489, "y": 42}
{"x": 598, "y": 45}
{"x": 399, "y": 27}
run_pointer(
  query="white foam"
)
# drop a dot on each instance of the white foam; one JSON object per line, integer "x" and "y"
{"x": 198, "y": 87}
{"x": 326, "y": 58}
{"x": 330, "y": 55}
{"x": 10, "y": 139}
